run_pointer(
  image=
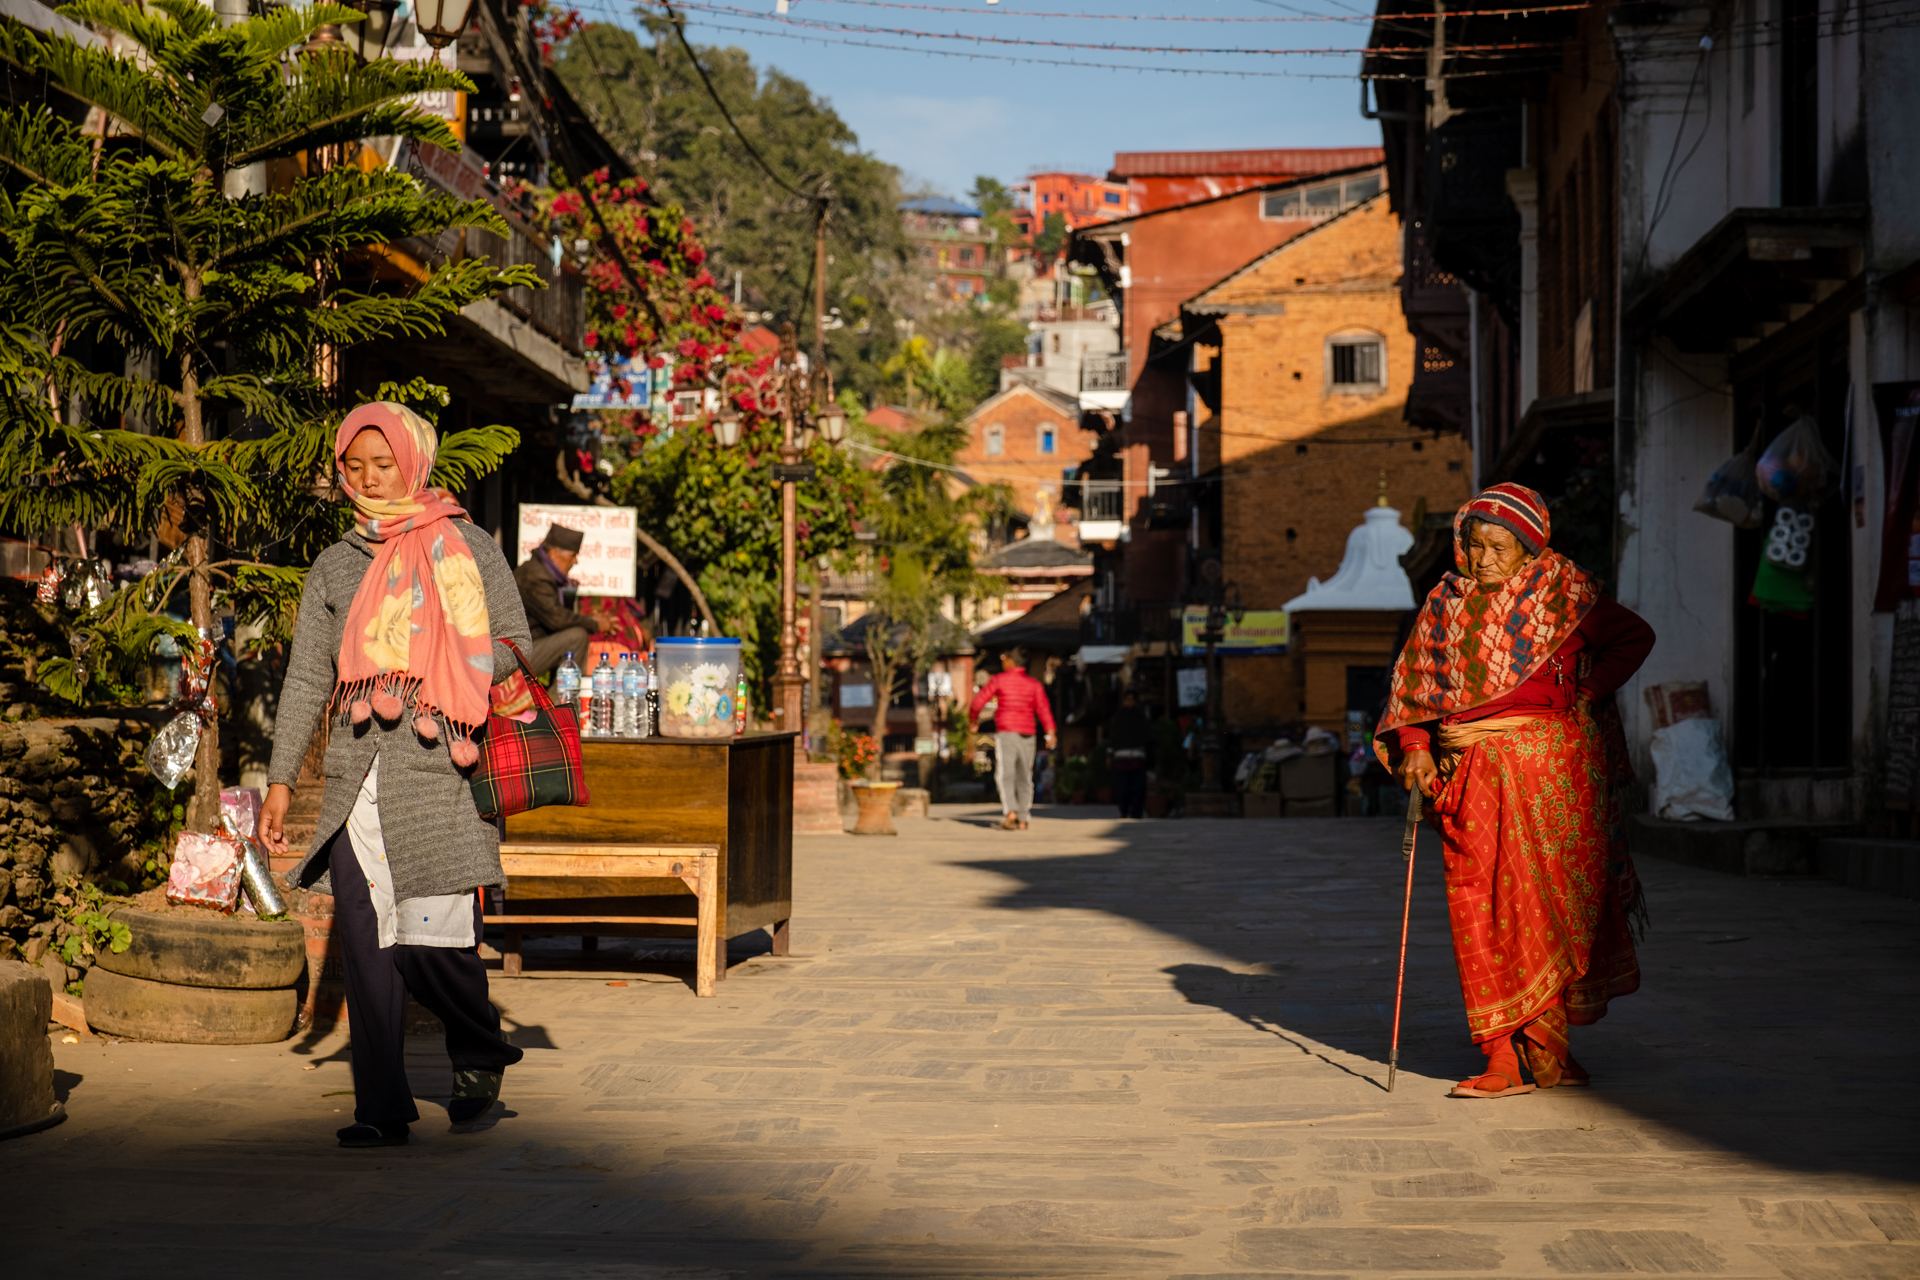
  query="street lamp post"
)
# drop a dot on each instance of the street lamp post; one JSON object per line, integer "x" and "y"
{"x": 1223, "y": 602}
{"x": 806, "y": 407}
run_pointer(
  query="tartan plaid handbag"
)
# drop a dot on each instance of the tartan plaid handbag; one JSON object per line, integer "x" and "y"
{"x": 531, "y": 758}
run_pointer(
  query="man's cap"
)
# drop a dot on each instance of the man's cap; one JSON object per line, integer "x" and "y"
{"x": 561, "y": 538}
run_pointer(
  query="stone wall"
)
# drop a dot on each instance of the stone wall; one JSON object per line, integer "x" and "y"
{"x": 76, "y": 801}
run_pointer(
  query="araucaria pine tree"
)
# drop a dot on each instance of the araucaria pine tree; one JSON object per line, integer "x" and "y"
{"x": 171, "y": 320}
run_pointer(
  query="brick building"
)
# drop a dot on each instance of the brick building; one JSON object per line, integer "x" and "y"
{"x": 1026, "y": 437}
{"x": 1153, "y": 264}
{"x": 1079, "y": 198}
{"x": 952, "y": 244}
{"x": 1301, "y": 362}
{"x": 1163, "y": 179}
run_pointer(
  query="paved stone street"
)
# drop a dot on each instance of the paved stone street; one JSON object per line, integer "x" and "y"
{"x": 1092, "y": 1049}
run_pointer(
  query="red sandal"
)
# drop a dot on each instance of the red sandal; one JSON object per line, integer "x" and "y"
{"x": 1549, "y": 1072}
{"x": 1502, "y": 1080}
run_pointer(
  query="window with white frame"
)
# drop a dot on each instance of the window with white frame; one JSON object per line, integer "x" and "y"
{"x": 1356, "y": 363}
{"x": 996, "y": 440}
{"x": 1321, "y": 200}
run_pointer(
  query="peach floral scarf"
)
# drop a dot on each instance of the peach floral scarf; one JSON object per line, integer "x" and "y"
{"x": 416, "y": 632}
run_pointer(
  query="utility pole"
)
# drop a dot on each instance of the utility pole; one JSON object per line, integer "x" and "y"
{"x": 820, "y": 284}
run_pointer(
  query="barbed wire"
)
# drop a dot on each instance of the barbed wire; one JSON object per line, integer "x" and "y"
{"x": 854, "y": 28}
{"x": 1299, "y": 16}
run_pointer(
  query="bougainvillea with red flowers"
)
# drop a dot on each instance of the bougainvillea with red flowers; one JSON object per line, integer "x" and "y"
{"x": 552, "y": 25}
{"x": 718, "y": 509}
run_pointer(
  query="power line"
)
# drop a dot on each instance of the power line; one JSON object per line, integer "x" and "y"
{"x": 1299, "y": 15}
{"x": 679, "y": 29}
{"x": 855, "y": 28}
{"x": 1045, "y": 62}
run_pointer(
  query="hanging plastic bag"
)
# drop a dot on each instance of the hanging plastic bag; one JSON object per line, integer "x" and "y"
{"x": 240, "y": 810}
{"x": 1692, "y": 780}
{"x": 1796, "y": 468}
{"x": 1784, "y": 582}
{"x": 171, "y": 752}
{"x": 1733, "y": 492}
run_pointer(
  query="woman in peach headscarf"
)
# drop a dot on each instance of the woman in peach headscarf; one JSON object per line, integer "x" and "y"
{"x": 1512, "y": 666}
{"x": 398, "y": 641}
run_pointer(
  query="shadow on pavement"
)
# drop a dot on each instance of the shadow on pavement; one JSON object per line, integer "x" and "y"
{"x": 1762, "y": 1025}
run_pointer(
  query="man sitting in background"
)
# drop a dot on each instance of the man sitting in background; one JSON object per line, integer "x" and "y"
{"x": 548, "y": 595}
{"x": 1019, "y": 699}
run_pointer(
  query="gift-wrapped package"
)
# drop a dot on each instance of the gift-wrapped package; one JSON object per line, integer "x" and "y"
{"x": 205, "y": 871}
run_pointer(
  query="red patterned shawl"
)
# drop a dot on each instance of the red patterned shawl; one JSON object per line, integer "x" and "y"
{"x": 1471, "y": 645}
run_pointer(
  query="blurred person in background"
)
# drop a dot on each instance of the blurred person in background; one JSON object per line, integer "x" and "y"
{"x": 1020, "y": 708}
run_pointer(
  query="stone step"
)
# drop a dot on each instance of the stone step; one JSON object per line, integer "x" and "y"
{"x": 1883, "y": 866}
{"x": 1748, "y": 847}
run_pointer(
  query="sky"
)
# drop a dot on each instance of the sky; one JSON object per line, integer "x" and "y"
{"x": 944, "y": 120}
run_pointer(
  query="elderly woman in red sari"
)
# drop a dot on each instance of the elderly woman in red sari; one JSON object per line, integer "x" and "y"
{"x": 1502, "y": 711}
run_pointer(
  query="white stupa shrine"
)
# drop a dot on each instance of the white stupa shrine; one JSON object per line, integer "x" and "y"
{"x": 1370, "y": 575}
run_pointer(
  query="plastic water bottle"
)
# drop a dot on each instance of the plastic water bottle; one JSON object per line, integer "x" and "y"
{"x": 566, "y": 683}
{"x": 632, "y": 694}
{"x": 652, "y": 725}
{"x": 603, "y": 690}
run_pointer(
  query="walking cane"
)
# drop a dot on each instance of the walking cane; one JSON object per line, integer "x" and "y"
{"x": 1406, "y": 916}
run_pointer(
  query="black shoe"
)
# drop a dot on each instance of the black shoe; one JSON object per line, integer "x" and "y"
{"x": 371, "y": 1135}
{"x": 473, "y": 1093}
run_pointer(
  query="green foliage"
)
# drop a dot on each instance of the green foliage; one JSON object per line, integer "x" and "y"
{"x": 133, "y": 250}
{"x": 853, "y": 752}
{"x": 719, "y": 509}
{"x": 1052, "y": 236}
{"x": 923, "y": 529}
{"x": 646, "y": 98}
{"x": 83, "y": 912}
{"x": 1075, "y": 775}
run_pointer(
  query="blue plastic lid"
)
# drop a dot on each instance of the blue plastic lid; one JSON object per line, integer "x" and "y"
{"x": 695, "y": 640}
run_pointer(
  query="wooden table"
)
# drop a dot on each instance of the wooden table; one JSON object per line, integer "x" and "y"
{"x": 684, "y": 837}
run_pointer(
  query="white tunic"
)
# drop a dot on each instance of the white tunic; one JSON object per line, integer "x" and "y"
{"x": 442, "y": 921}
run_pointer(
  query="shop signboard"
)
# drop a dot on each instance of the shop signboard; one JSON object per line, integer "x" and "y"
{"x": 606, "y": 564}
{"x": 1261, "y": 631}
{"x": 618, "y": 383}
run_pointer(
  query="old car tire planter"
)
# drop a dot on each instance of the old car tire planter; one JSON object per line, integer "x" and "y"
{"x": 192, "y": 978}
{"x": 208, "y": 950}
{"x": 123, "y": 1006}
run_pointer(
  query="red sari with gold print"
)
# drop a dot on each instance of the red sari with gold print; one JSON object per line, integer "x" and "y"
{"x": 1539, "y": 884}
{"x": 1517, "y": 683}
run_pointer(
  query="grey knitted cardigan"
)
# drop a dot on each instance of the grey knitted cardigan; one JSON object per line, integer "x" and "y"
{"x": 437, "y": 843}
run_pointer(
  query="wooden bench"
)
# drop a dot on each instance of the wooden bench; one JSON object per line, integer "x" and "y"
{"x": 682, "y": 838}
{"x": 598, "y": 871}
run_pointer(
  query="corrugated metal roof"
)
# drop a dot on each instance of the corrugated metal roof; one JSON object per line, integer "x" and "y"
{"x": 1279, "y": 162}
{"x": 940, "y": 205}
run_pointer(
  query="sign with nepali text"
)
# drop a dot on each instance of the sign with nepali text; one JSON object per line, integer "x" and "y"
{"x": 606, "y": 565}
{"x": 1261, "y": 631}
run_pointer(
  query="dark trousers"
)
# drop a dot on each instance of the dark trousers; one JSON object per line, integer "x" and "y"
{"x": 1130, "y": 792}
{"x": 450, "y": 981}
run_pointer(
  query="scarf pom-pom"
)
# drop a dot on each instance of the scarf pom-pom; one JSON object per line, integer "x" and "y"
{"x": 359, "y": 710}
{"x": 386, "y": 705}
{"x": 424, "y": 726}
{"x": 464, "y": 753}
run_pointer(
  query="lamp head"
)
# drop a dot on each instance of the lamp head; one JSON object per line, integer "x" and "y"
{"x": 832, "y": 423}
{"x": 726, "y": 428}
{"x": 442, "y": 21}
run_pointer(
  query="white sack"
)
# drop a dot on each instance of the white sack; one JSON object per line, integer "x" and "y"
{"x": 1692, "y": 779}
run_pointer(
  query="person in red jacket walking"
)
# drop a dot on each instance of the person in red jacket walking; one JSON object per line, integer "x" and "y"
{"x": 1019, "y": 701}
